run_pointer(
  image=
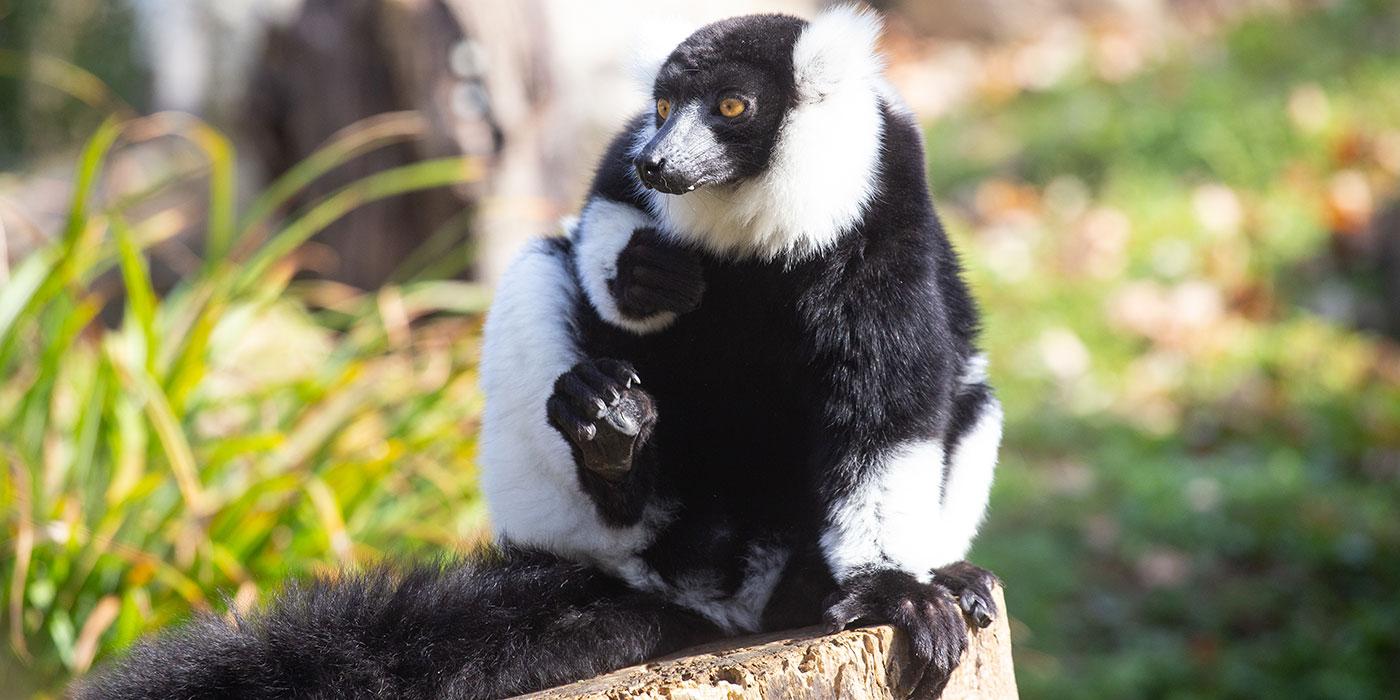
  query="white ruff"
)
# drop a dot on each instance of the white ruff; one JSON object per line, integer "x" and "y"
{"x": 527, "y": 470}
{"x": 823, "y": 171}
{"x": 602, "y": 232}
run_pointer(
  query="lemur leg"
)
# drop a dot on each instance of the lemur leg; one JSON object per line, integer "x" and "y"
{"x": 887, "y": 547}
{"x": 500, "y": 624}
{"x": 974, "y": 438}
{"x": 530, "y": 473}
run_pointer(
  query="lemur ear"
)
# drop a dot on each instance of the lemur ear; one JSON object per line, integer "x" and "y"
{"x": 837, "y": 50}
{"x": 651, "y": 52}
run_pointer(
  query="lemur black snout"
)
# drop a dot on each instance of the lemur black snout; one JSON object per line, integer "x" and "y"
{"x": 649, "y": 166}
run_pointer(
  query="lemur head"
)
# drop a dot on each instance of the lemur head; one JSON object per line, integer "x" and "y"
{"x": 720, "y": 99}
{"x": 766, "y": 132}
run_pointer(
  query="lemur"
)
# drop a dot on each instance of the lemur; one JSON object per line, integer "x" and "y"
{"x": 742, "y": 394}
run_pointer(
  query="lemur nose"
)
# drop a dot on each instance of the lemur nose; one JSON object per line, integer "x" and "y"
{"x": 649, "y": 166}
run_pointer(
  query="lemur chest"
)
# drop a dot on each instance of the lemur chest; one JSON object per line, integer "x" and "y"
{"x": 732, "y": 390}
{"x": 730, "y": 382}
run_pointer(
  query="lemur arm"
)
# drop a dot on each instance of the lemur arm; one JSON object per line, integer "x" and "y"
{"x": 635, "y": 281}
{"x": 908, "y": 429}
{"x": 628, "y": 273}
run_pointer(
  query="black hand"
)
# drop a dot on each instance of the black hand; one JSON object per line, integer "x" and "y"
{"x": 925, "y": 613}
{"x": 973, "y": 587}
{"x": 599, "y": 408}
{"x": 654, "y": 276}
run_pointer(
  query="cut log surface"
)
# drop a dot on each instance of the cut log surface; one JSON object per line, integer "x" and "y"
{"x": 855, "y": 664}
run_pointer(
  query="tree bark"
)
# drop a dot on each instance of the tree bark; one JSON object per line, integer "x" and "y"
{"x": 855, "y": 664}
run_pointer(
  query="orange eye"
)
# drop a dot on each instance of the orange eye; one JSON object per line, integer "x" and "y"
{"x": 731, "y": 107}
{"x": 663, "y": 108}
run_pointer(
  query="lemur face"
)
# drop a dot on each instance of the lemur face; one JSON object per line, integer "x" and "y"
{"x": 720, "y": 101}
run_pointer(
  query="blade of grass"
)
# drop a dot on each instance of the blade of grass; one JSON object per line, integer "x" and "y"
{"x": 350, "y": 142}
{"x": 395, "y": 181}
{"x": 20, "y": 291}
{"x": 102, "y": 616}
{"x": 222, "y": 182}
{"x": 434, "y": 256}
{"x": 64, "y": 77}
{"x": 140, "y": 295}
{"x": 90, "y": 163}
{"x": 332, "y": 522}
{"x": 167, "y": 428}
{"x": 23, "y": 480}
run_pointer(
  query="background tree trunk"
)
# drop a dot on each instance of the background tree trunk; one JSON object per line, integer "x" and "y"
{"x": 466, "y": 69}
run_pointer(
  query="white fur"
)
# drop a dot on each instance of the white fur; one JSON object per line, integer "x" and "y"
{"x": 910, "y": 516}
{"x": 528, "y": 473}
{"x": 836, "y": 51}
{"x": 660, "y": 38}
{"x": 742, "y": 611}
{"x": 824, "y": 167}
{"x": 893, "y": 518}
{"x": 603, "y": 231}
{"x": 970, "y": 467}
{"x": 975, "y": 372}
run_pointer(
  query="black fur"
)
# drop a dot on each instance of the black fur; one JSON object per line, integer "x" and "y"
{"x": 745, "y": 58}
{"x": 501, "y": 623}
{"x": 796, "y": 378}
{"x": 778, "y": 391}
{"x": 607, "y": 419}
{"x": 936, "y": 632}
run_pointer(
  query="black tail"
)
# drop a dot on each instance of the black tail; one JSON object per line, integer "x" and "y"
{"x": 497, "y": 624}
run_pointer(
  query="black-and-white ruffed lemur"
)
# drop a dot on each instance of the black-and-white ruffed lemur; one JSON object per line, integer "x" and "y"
{"x": 743, "y": 393}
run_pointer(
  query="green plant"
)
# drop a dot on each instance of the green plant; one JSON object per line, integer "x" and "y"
{"x": 224, "y": 435}
{"x": 1197, "y": 493}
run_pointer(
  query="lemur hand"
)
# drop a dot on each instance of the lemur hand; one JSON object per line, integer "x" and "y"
{"x": 598, "y": 407}
{"x": 973, "y": 587}
{"x": 654, "y": 276}
{"x": 926, "y": 613}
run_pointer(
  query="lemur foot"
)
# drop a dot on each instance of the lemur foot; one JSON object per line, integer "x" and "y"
{"x": 655, "y": 276}
{"x": 925, "y": 612}
{"x": 599, "y": 408}
{"x": 973, "y": 587}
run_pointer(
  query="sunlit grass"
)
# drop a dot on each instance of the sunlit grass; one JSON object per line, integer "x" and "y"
{"x": 1198, "y": 492}
{"x": 222, "y": 437}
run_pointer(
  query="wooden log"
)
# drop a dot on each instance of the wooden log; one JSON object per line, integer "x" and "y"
{"x": 855, "y": 664}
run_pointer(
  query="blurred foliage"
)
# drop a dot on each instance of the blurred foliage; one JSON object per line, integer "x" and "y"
{"x": 1200, "y": 487}
{"x": 99, "y": 37}
{"x": 224, "y": 436}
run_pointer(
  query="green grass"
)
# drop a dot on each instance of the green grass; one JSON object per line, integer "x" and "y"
{"x": 1199, "y": 491}
{"x": 224, "y": 436}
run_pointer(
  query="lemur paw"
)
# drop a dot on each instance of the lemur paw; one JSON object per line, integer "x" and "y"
{"x": 654, "y": 276}
{"x": 926, "y": 613}
{"x": 598, "y": 407}
{"x": 973, "y": 587}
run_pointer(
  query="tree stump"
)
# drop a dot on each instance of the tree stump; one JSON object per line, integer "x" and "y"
{"x": 851, "y": 665}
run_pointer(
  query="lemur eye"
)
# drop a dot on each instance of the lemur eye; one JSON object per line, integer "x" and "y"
{"x": 731, "y": 107}
{"x": 663, "y": 108}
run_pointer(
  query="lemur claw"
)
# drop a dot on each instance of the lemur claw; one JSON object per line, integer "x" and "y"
{"x": 655, "y": 276}
{"x": 598, "y": 408}
{"x": 973, "y": 587}
{"x": 924, "y": 612}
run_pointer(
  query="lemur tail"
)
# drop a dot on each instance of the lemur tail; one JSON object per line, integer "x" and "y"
{"x": 500, "y": 623}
